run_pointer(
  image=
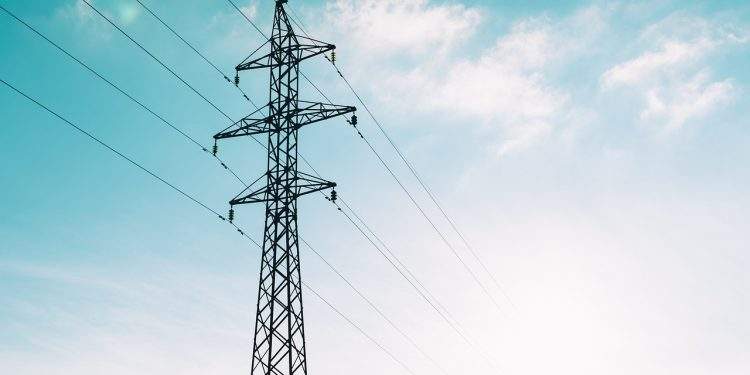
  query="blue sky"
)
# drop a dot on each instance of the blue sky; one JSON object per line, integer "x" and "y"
{"x": 595, "y": 154}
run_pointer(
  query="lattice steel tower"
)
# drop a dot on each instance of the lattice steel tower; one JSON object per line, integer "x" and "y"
{"x": 279, "y": 342}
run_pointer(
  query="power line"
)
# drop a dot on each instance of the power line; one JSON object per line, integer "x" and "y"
{"x": 413, "y": 171}
{"x": 417, "y": 205}
{"x": 360, "y": 330}
{"x": 170, "y": 70}
{"x": 403, "y": 187}
{"x": 342, "y": 315}
{"x": 409, "y": 272}
{"x": 183, "y": 134}
{"x": 182, "y": 192}
{"x": 298, "y": 23}
{"x": 399, "y": 262}
{"x": 246, "y": 17}
{"x": 125, "y": 93}
{"x": 202, "y": 56}
{"x": 386, "y": 247}
{"x": 195, "y": 50}
{"x": 255, "y": 26}
{"x": 424, "y": 292}
{"x": 412, "y": 199}
{"x": 121, "y": 155}
{"x": 172, "y": 30}
{"x": 432, "y": 224}
{"x": 421, "y": 210}
{"x": 419, "y": 291}
{"x": 129, "y": 96}
{"x": 326, "y": 97}
{"x": 301, "y": 24}
{"x": 376, "y": 309}
{"x": 143, "y": 106}
{"x": 431, "y": 195}
{"x": 315, "y": 171}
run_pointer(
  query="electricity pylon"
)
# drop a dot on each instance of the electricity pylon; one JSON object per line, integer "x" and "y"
{"x": 279, "y": 342}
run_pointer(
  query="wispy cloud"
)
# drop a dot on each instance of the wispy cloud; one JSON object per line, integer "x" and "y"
{"x": 250, "y": 10}
{"x": 120, "y": 324}
{"x": 673, "y": 76}
{"x": 676, "y": 104}
{"x": 233, "y": 29}
{"x": 413, "y": 27}
{"x": 645, "y": 67}
{"x": 505, "y": 88}
{"x": 84, "y": 19}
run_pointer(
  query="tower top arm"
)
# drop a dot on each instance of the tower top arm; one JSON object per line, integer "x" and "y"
{"x": 303, "y": 49}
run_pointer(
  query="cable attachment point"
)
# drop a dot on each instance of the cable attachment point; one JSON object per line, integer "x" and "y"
{"x": 215, "y": 149}
{"x": 231, "y": 215}
{"x": 353, "y": 121}
{"x": 334, "y": 196}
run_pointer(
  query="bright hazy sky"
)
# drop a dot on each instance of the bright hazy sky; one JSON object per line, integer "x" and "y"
{"x": 594, "y": 153}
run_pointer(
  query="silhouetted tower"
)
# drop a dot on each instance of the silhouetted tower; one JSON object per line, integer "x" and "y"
{"x": 279, "y": 342}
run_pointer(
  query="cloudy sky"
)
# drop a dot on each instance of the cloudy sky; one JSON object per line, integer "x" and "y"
{"x": 594, "y": 154}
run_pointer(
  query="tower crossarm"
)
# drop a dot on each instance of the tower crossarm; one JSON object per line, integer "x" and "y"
{"x": 312, "y": 112}
{"x": 304, "y": 49}
{"x": 307, "y": 113}
{"x": 307, "y": 184}
{"x": 298, "y": 186}
{"x": 246, "y": 126}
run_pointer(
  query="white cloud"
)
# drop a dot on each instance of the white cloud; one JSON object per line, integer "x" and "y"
{"x": 250, "y": 10}
{"x": 505, "y": 88}
{"x": 675, "y": 105}
{"x": 510, "y": 88}
{"x": 85, "y": 19}
{"x": 506, "y": 81}
{"x": 670, "y": 55}
{"x": 386, "y": 27}
{"x": 234, "y": 30}
{"x": 673, "y": 77}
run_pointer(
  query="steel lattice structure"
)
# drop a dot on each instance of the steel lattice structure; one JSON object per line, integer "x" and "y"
{"x": 279, "y": 342}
